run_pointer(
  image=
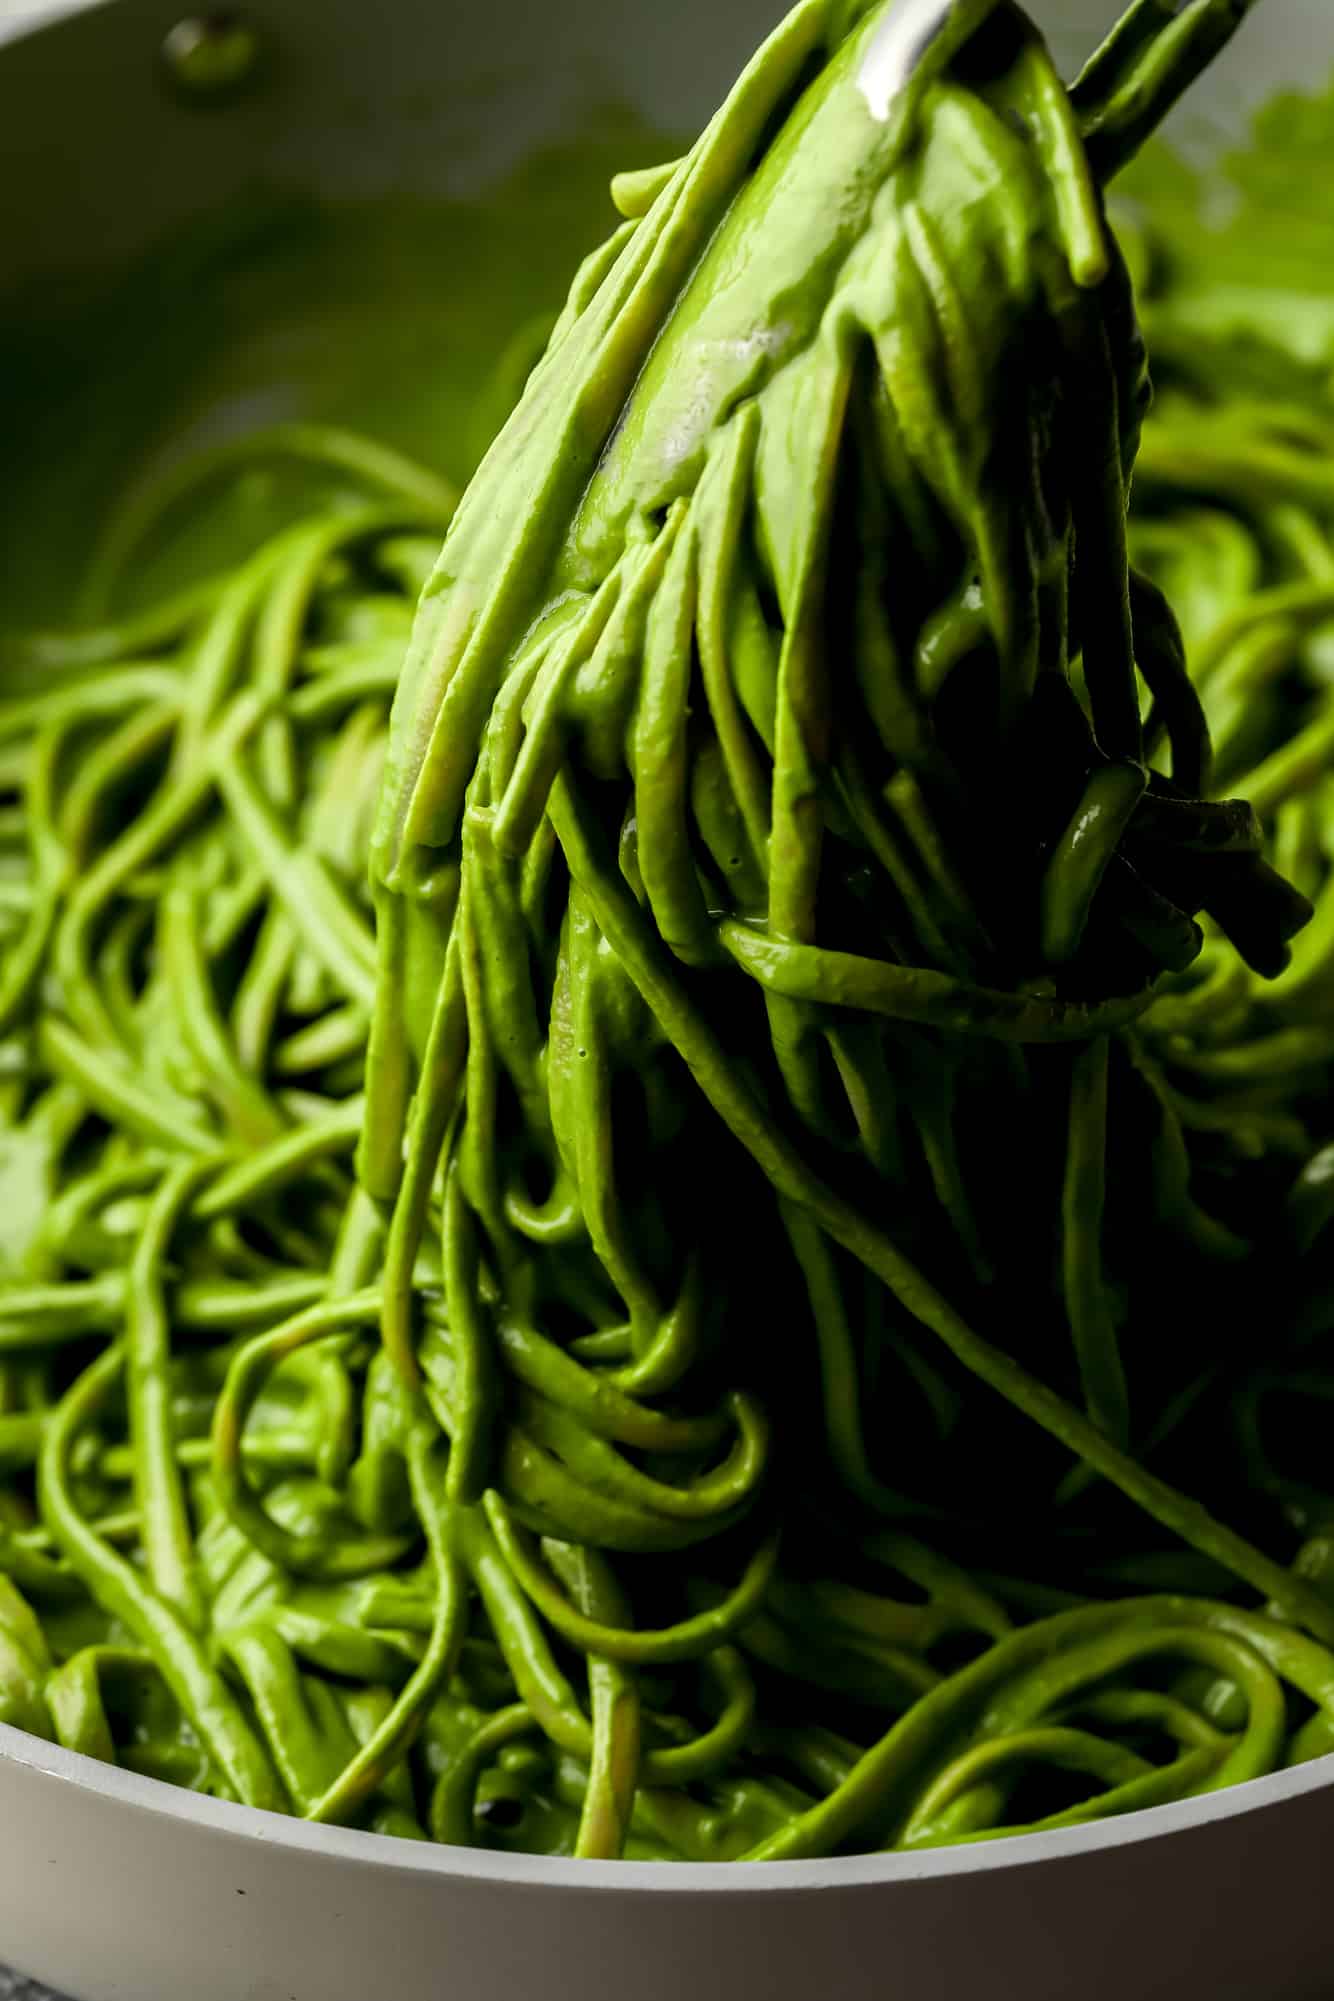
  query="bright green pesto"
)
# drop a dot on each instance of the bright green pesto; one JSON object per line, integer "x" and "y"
{"x": 704, "y": 1307}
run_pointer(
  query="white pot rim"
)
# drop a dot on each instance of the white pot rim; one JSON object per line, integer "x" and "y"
{"x": 28, "y": 15}
{"x": 394, "y": 1856}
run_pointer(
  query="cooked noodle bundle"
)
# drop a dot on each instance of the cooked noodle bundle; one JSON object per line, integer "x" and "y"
{"x": 841, "y": 1092}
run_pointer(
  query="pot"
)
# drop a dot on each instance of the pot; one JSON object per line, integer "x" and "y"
{"x": 185, "y": 247}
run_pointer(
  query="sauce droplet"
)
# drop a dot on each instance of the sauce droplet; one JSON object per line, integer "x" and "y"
{"x": 211, "y": 57}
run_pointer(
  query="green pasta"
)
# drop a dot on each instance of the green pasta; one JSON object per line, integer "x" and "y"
{"x": 706, "y": 1307}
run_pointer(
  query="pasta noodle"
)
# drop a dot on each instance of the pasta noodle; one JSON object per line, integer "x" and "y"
{"x": 708, "y": 1310}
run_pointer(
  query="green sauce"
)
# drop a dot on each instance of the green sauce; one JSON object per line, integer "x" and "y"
{"x": 387, "y": 317}
{"x": 708, "y": 1309}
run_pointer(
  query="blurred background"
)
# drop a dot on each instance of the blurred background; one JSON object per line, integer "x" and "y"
{"x": 348, "y": 211}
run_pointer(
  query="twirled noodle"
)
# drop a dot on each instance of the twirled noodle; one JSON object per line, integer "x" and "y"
{"x": 841, "y": 1092}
